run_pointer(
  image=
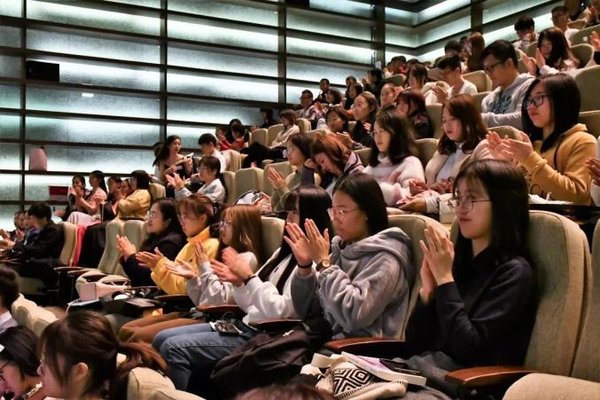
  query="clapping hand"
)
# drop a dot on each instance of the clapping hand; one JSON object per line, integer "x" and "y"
{"x": 148, "y": 259}
{"x": 438, "y": 252}
{"x": 125, "y": 247}
{"x": 277, "y": 180}
{"x": 182, "y": 268}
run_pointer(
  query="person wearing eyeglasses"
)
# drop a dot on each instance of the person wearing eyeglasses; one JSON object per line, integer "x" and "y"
{"x": 363, "y": 279}
{"x": 476, "y": 305}
{"x": 503, "y": 105}
{"x": 554, "y": 148}
{"x": 19, "y": 365}
{"x": 164, "y": 233}
{"x": 263, "y": 295}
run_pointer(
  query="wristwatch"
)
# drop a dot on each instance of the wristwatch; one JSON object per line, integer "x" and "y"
{"x": 324, "y": 263}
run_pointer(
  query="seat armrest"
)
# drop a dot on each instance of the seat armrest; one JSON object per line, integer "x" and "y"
{"x": 277, "y": 325}
{"x": 369, "y": 346}
{"x": 480, "y": 377}
{"x": 220, "y": 309}
{"x": 79, "y": 272}
{"x": 166, "y": 298}
{"x": 67, "y": 268}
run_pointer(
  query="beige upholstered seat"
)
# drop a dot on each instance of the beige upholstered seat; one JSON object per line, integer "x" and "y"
{"x": 588, "y": 82}
{"x": 530, "y": 51}
{"x": 479, "y": 79}
{"x": 229, "y": 183}
{"x": 143, "y": 381}
{"x": 413, "y": 225}
{"x": 313, "y": 133}
{"x": 584, "y": 52}
{"x": 592, "y": 120}
{"x": 234, "y": 160}
{"x": 272, "y": 133}
{"x": 435, "y": 114}
{"x": 30, "y": 315}
{"x": 303, "y": 124}
{"x": 583, "y": 36}
{"x": 110, "y": 257}
{"x": 172, "y": 394}
{"x": 427, "y": 147}
{"x": 157, "y": 191}
{"x": 135, "y": 231}
{"x": 478, "y": 98}
{"x": 577, "y": 24}
{"x": 584, "y": 380}
{"x": 272, "y": 234}
{"x": 248, "y": 179}
{"x": 397, "y": 79}
{"x": 258, "y": 135}
{"x": 284, "y": 168}
{"x": 364, "y": 155}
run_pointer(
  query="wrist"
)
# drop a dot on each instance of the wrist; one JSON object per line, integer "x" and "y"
{"x": 249, "y": 278}
{"x": 445, "y": 279}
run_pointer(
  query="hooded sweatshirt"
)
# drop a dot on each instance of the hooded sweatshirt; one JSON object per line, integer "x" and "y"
{"x": 366, "y": 290}
{"x": 394, "y": 179}
{"x": 503, "y": 107}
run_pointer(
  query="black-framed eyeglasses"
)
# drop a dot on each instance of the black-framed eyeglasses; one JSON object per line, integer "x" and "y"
{"x": 464, "y": 202}
{"x": 488, "y": 69}
{"x": 535, "y": 101}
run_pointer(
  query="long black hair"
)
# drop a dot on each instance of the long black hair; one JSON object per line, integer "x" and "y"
{"x": 168, "y": 209}
{"x": 402, "y": 141}
{"x": 563, "y": 95}
{"x": 100, "y": 176}
{"x": 19, "y": 346}
{"x": 310, "y": 202}
{"x": 507, "y": 190}
{"x": 163, "y": 153}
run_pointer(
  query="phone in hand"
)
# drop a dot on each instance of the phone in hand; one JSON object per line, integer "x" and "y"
{"x": 225, "y": 328}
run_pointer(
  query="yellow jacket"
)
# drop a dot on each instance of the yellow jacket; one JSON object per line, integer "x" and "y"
{"x": 173, "y": 284}
{"x": 568, "y": 179}
{"x": 136, "y": 205}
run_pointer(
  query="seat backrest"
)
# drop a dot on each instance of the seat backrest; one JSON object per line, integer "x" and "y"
{"x": 560, "y": 257}
{"x": 530, "y": 51}
{"x": 592, "y": 120}
{"x": 260, "y": 136}
{"x": 478, "y": 98}
{"x": 143, "y": 381}
{"x": 588, "y": 82}
{"x": 479, "y": 79}
{"x": 577, "y": 24}
{"x": 68, "y": 250}
{"x": 229, "y": 183}
{"x": 587, "y": 359}
{"x": 157, "y": 191}
{"x": 135, "y": 231}
{"x": 351, "y": 125}
{"x": 284, "y": 168}
{"x": 22, "y": 311}
{"x": 303, "y": 124}
{"x": 435, "y": 115}
{"x": 312, "y": 134}
{"x": 248, "y": 179}
{"x": 427, "y": 147}
{"x": 234, "y": 160}
{"x": 364, "y": 155}
{"x": 583, "y": 36}
{"x": 272, "y": 133}
{"x": 110, "y": 257}
{"x": 397, "y": 80}
{"x": 40, "y": 319}
{"x": 172, "y": 394}
{"x": 414, "y": 225}
{"x": 584, "y": 52}
{"x": 272, "y": 234}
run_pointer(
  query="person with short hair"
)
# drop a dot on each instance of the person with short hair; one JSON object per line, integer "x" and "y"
{"x": 136, "y": 205}
{"x": 19, "y": 232}
{"x": 525, "y": 29}
{"x": 9, "y": 292}
{"x": 19, "y": 374}
{"x": 212, "y": 187}
{"x": 234, "y": 138}
{"x": 310, "y": 110}
{"x": 560, "y": 19}
{"x": 503, "y": 105}
{"x": 451, "y": 71}
{"x": 411, "y": 104}
{"x": 208, "y": 147}
{"x": 373, "y": 82}
{"x": 324, "y": 86}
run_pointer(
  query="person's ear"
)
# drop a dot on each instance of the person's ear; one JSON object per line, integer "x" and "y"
{"x": 79, "y": 372}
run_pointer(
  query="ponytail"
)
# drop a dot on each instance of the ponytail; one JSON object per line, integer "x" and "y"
{"x": 137, "y": 355}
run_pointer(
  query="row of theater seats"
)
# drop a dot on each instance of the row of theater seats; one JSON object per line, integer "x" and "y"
{"x": 565, "y": 343}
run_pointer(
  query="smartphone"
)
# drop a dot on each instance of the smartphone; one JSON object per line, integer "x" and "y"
{"x": 225, "y": 328}
{"x": 398, "y": 366}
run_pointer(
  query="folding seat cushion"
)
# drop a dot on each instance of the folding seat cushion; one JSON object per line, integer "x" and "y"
{"x": 272, "y": 234}
{"x": 284, "y": 168}
{"x": 479, "y": 79}
{"x": 584, "y": 379}
{"x": 435, "y": 114}
{"x": 427, "y": 148}
{"x": 157, "y": 191}
{"x": 248, "y": 179}
{"x": 303, "y": 124}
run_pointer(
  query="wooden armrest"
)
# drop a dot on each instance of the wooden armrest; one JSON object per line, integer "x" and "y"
{"x": 277, "y": 325}
{"x": 368, "y": 346}
{"x": 67, "y": 268}
{"x": 220, "y": 309}
{"x": 172, "y": 297}
{"x": 79, "y": 272}
{"x": 478, "y": 377}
